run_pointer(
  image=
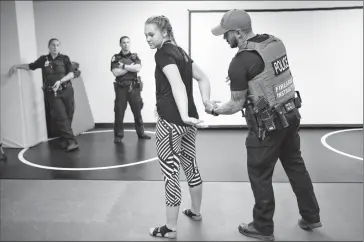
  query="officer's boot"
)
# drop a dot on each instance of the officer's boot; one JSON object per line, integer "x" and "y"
{"x": 307, "y": 225}
{"x": 249, "y": 231}
{"x": 73, "y": 145}
{"x": 144, "y": 136}
{"x": 63, "y": 143}
{"x": 139, "y": 127}
{"x": 118, "y": 140}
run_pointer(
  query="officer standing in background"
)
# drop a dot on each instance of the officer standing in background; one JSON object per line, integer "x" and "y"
{"x": 125, "y": 66}
{"x": 57, "y": 71}
{"x": 261, "y": 82}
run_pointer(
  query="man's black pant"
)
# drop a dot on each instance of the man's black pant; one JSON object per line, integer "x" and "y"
{"x": 62, "y": 108}
{"x": 123, "y": 96}
{"x": 262, "y": 157}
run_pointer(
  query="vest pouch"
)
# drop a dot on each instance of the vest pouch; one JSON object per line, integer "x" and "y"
{"x": 297, "y": 102}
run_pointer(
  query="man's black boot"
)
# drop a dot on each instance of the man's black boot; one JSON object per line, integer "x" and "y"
{"x": 249, "y": 231}
{"x": 144, "y": 136}
{"x": 307, "y": 225}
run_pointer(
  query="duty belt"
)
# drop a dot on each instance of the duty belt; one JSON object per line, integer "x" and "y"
{"x": 60, "y": 89}
{"x": 263, "y": 117}
{"x": 129, "y": 83}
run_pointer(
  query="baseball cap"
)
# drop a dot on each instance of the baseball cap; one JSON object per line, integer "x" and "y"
{"x": 232, "y": 20}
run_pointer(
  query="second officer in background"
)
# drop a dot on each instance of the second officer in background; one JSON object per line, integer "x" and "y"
{"x": 125, "y": 66}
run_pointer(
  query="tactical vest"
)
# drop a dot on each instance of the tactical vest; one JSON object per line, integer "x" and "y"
{"x": 275, "y": 83}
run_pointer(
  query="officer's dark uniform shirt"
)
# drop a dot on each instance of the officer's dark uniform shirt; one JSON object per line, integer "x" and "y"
{"x": 166, "y": 105}
{"x": 52, "y": 69}
{"x": 126, "y": 59}
{"x": 245, "y": 66}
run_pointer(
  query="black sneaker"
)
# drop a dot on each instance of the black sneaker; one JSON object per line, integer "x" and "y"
{"x": 190, "y": 214}
{"x": 163, "y": 232}
{"x": 307, "y": 225}
{"x": 249, "y": 231}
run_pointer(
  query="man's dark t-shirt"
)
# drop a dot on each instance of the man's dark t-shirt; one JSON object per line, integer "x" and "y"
{"x": 245, "y": 66}
{"x": 166, "y": 105}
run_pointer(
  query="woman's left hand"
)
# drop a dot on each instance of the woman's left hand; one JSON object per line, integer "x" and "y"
{"x": 194, "y": 122}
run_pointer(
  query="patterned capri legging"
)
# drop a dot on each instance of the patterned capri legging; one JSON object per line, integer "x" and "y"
{"x": 175, "y": 147}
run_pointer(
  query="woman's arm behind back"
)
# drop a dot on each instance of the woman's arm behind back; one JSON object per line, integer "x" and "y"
{"x": 178, "y": 89}
{"x": 203, "y": 82}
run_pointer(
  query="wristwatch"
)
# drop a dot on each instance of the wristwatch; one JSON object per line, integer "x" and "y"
{"x": 213, "y": 112}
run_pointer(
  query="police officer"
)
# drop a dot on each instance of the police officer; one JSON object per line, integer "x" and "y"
{"x": 125, "y": 66}
{"x": 57, "y": 73}
{"x": 261, "y": 84}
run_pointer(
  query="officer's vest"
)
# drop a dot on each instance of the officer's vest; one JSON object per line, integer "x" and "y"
{"x": 275, "y": 83}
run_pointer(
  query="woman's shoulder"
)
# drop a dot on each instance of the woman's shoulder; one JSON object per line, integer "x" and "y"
{"x": 166, "y": 50}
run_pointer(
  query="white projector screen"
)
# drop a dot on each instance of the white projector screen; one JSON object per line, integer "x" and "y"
{"x": 325, "y": 53}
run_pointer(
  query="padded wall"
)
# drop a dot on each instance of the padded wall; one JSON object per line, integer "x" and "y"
{"x": 22, "y": 105}
{"x": 23, "y": 110}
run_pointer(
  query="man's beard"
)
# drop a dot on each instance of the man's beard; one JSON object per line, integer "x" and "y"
{"x": 234, "y": 43}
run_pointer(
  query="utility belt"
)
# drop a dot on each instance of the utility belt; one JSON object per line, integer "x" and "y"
{"x": 128, "y": 83}
{"x": 63, "y": 86}
{"x": 263, "y": 118}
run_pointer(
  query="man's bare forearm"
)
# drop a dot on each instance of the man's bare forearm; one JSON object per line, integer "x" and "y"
{"x": 133, "y": 68}
{"x": 119, "y": 72}
{"x": 230, "y": 107}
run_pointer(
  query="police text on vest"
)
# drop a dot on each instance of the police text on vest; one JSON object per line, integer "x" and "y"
{"x": 280, "y": 65}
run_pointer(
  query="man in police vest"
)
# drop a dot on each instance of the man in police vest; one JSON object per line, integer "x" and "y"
{"x": 261, "y": 84}
{"x": 125, "y": 66}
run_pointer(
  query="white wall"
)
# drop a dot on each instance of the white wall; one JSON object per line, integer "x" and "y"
{"x": 90, "y": 30}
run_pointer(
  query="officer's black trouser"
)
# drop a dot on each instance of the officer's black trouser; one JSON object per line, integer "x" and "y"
{"x": 122, "y": 98}
{"x": 262, "y": 157}
{"x": 62, "y": 108}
